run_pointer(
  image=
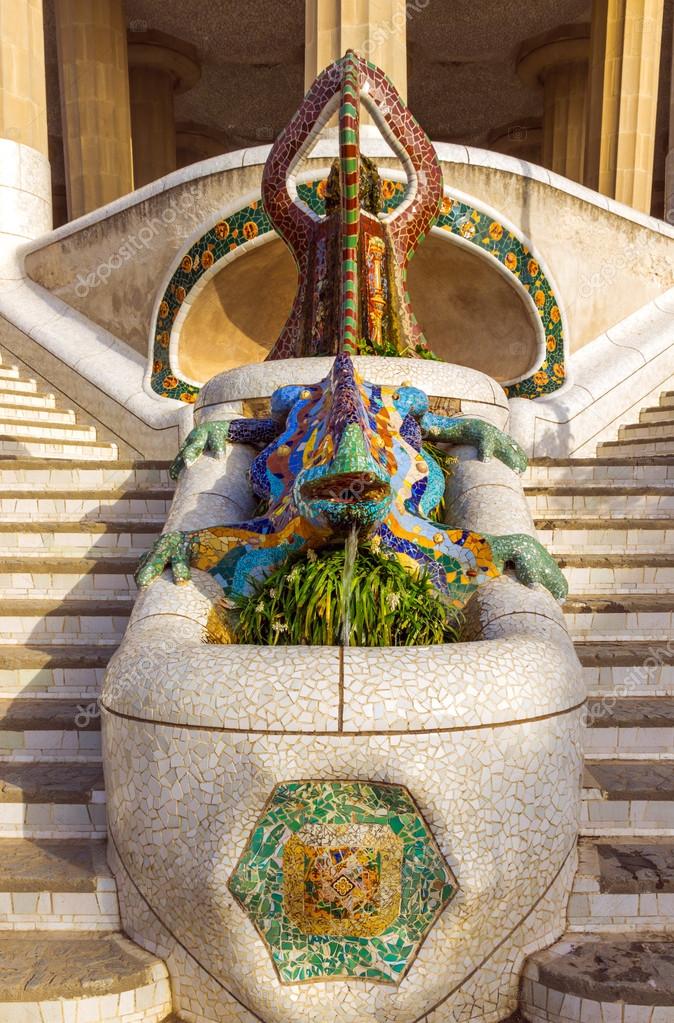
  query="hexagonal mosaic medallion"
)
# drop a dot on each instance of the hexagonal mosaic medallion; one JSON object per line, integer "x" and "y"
{"x": 342, "y": 880}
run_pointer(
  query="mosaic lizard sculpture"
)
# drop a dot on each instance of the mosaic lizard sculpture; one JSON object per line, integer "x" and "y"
{"x": 345, "y": 454}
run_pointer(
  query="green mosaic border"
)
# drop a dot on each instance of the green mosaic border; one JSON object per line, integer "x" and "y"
{"x": 456, "y": 216}
{"x": 427, "y": 883}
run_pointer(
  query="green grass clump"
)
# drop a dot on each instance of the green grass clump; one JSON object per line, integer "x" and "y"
{"x": 302, "y": 603}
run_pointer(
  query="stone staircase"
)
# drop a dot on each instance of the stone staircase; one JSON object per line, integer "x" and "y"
{"x": 73, "y": 519}
{"x": 610, "y": 522}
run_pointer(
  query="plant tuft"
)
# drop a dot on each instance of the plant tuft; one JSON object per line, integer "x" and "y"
{"x": 302, "y": 603}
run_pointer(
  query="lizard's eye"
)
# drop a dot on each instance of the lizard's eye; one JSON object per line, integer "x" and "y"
{"x": 395, "y": 395}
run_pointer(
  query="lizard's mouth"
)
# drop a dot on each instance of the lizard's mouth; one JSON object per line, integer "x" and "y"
{"x": 347, "y": 488}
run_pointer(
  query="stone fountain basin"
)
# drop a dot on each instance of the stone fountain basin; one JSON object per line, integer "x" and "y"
{"x": 484, "y": 734}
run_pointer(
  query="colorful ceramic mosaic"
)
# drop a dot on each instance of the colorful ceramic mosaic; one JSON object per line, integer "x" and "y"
{"x": 222, "y": 239}
{"x": 342, "y": 879}
{"x": 347, "y": 455}
{"x": 352, "y": 265}
{"x": 332, "y": 311}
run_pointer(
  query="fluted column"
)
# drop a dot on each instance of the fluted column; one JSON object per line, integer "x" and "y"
{"x": 376, "y": 29}
{"x": 624, "y": 71}
{"x": 25, "y": 189}
{"x": 159, "y": 67}
{"x": 94, "y": 83}
{"x": 558, "y": 61}
{"x": 669, "y": 162}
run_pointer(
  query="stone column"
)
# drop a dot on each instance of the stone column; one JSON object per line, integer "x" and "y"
{"x": 624, "y": 70}
{"x": 376, "y": 29}
{"x": 94, "y": 83}
{"x": 558, "y": 61}
{"x": 25, "y": 186}
{"x": 669, "y": 162}
{"x": 159, "y": 67}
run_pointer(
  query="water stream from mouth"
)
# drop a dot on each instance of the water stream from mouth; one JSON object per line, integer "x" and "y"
{"x": 350, "y": 553}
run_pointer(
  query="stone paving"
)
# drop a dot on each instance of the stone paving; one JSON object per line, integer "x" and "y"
{"x": 69, "y": 965}
{"x": 633, "y": 779}
{"x": 627, "y": 868}
{"x": 638, "y": 972}
{"x": 49, "y": 783}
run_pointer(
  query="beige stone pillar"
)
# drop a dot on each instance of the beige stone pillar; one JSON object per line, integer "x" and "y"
{"x": 25, "y": 187}
{"x": 94, "y": 83}
{"x": 376, "y": 29}
{"x": 624, "y": 70}
{"x": 669, "y": 162}
{"x": 159, "y": 67}
{"x": 558, "y": 61}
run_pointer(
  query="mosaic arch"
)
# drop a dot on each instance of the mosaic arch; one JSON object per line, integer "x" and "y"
{"x": 457, "y": 217}
{"x": 342, "y": 879}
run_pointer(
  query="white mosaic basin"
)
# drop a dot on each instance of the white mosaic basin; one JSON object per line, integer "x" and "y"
{"x": 483, "y": 735}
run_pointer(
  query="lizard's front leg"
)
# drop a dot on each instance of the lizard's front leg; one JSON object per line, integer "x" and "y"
{"x": 213, "y": 436}
{"x": 489, "y": 440}
{"x": 172, "y": 550}
{"x": 532, "y": 563}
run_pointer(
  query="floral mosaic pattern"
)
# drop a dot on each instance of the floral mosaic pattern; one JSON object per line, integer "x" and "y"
{"x": 456, "y": 217}
{"x": 342, "y": 879}
{"x": 223, "y": 238}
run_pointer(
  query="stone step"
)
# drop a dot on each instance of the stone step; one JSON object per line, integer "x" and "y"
{"x": 596, "y": 978}
{"x": 661, "y": 430}
{"x": 618, "y": 574}
{"x": 43, "y": 621}
{"x": 77, "y": 506}
{"x": 27, "y": 399}
{"x": 563, "y": 534}
{"x": 575, "y": 472}
{"x": 591, "y": 501}
{"x": 24, "y": 412}
{"x": 36, "y": 430}
{"x": 628, "y": 668}
{"x": 43, "y": 475}
{"x": 9, "y": 372}
{"x": 56, "y": 884}
{"x": 18, "y": 386}
{"x": 630, "y": 727}
{"x": 21, "y": 446}
{"x": 628, "y": 797}
{"x": 52, "y": 800}
{"x": 639, "y": 617}
{"x": 50, "y": 578}
{"x": 77, "y": 977}
{"x": 636, "y": 447}
{"x": 77, "y": 539}
{"x": 622, "y": 885}
{"x": 662, "y": 413}
{"x": 32, "y": 729}
{"x": 53, "y": 671}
